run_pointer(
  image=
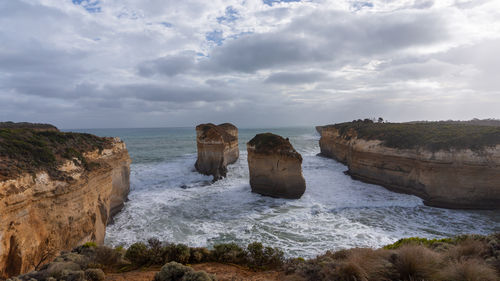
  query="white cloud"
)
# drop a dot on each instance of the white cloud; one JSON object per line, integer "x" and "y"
{"x": 157, "y": 62}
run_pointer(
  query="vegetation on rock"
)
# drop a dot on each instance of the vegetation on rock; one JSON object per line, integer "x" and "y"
{"x": 433, "y": 136}
{"x": 464, "y": 257}
{"x": 28, "y": 150}
{"x": 267, "y": 143}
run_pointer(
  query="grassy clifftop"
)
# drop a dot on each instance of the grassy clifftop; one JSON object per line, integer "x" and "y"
{"x": 430, "y": 135}
{"x": 25, "y": 149}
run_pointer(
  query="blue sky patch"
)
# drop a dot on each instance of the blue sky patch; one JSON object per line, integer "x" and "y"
{"x": 92, "y": 6}
{"x": 166, "y": 24}
{"x": 360, "y": 5}
{"x": 271, "y": 2}
{"x": 215, "y": 36}
{"x": 231, "y": 15}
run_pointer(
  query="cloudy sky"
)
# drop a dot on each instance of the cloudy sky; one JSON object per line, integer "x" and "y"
{"x": 256, "y": 63}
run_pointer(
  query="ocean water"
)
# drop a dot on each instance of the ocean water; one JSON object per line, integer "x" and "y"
{"x": 171, "y": 201}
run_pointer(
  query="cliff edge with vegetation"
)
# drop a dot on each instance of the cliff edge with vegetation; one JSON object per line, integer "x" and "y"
{"x": 57, "y": 190}
{"x": 448, "y": 164}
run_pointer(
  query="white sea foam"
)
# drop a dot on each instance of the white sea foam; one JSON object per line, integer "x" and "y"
{"x": 171, "y": 201}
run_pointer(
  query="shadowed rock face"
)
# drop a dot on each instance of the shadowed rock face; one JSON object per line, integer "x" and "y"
{"x": 455, "y": 178}
{"x": 41, "y": 215}
{"x": 217, "y": 147}
{"x": 275, "y": 167}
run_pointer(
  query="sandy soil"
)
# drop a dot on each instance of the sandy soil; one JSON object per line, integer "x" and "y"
{"x": 224, "y": 272}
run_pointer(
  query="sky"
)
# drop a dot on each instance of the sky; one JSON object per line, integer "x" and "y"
{"x": 255, "y": 63}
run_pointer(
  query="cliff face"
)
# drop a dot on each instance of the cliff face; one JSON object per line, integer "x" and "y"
{"x": 275, "y": 167}
{"x": 217, "y": 147}
{"x": 41, "y": 215}
{"x": 454, "y": 178}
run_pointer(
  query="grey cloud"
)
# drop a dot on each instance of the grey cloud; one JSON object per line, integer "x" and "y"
{"x": 292, "y": 78}
{"x": 168, "y": 65}
{"x": 329, "y": 36}
{"x": 168, "y": 93}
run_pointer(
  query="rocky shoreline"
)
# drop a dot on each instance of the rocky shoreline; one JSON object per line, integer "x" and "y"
{"x": 67, "y": 199}
{"x": 461, "y": 176}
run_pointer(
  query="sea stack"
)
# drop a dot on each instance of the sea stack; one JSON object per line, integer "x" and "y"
{"x": 217, "y": 147}
{"x": 275, "y": 167}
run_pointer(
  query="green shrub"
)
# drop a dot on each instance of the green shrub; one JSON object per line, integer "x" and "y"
{"x": 106, "y": 256}
{"x": 260, "y": 257}
{"x": 229, "y": 253}
{"x": 199, "y": 255}
{"x": 93, "y": 274}
{"x": 430, "y": 135}
{"x": 177, "y": 252}
{"x": 420, "y": 241}
{"x": 138, "y": 254}
{"x": 89, "y": 245}
{"x": 156, "y": 251}
{"x": 32, "y": 150}
{"x": 172, "y": 271}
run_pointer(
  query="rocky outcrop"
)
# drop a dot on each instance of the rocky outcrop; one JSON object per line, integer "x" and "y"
{"x": 452, "y": 178}
{"x": 275, "y": 167}
{"x": 217, "y": 147}
{"x": 61, "y": 203}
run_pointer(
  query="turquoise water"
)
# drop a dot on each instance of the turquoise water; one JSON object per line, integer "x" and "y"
{"x": 171, "y": 201}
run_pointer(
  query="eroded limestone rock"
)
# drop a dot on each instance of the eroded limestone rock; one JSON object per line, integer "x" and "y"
{"x": 41, "y": 215}
{"x": 217, "y": 147}
{"x": 275, "y": 167}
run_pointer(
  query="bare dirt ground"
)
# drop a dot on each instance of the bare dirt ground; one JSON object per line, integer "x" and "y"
{"x": 224, "y": 272}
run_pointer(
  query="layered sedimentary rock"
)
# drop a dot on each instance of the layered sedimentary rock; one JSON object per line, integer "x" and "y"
{"x": 58, "y": 204}
{"x": 449, "y": 178}
{"x": 217, "y": 147}
{"x": 275, "y": 167}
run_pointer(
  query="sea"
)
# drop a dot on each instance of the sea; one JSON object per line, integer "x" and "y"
{"x": 170, "y": 201}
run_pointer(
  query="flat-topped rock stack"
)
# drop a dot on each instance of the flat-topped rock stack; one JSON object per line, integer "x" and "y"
{"x": 275, "y": 167}
{"x": 217, "y": 147}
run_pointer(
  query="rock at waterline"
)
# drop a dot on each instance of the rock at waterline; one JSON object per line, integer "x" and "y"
{"x": 217, "y": 147}
{"x": 275, "y": 167}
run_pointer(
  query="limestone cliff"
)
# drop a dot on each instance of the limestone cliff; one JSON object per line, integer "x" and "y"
{"x": 452, "y": 177}
{"x": 275, "y": 167}
{"x": 75, "y": 183}
{"x": 217, "y": 147}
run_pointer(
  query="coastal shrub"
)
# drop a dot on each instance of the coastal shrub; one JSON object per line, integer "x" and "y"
{"x": 177, "y": 252}
{"x": 89, "y": 245}
{"x": 156, "y": 251}
{"x": 106, "y": 256}
{"x": 138, "y": 253}
{"x": 467, "y": 270}
{"x": 172, "y": 271}
{"x": 416, "y": 262}
{"x": 430, "y": 135}
{"x": 433, "y": 243}
{"x": 229, "y": 253}
{"x": 264, "y": 257}
{"x": 469, "y": 248}
{"x": 28, "y": 150}
{"x": 199, "y": 255}
{"x": 94, "y": 274}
